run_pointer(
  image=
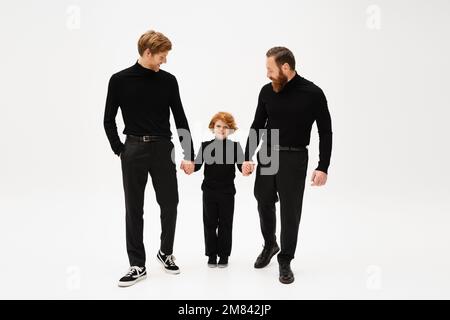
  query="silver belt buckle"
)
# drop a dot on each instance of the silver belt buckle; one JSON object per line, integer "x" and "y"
{"x": 146, "y": 138}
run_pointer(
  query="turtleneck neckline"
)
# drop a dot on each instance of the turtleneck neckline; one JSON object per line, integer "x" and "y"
{"x": 294, "y": 79}
{"x": 222, "y": 140}
{"x": 143, "y": 69}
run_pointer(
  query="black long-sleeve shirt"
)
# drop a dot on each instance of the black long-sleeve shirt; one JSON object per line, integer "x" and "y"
{"x": 293, "y": 111}
{"x": 145, "y": 98}
{"x": 220, "y": 158}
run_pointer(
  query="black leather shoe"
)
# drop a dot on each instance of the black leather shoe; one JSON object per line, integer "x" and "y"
{"x": 265, "y": 256}
{"x": 286, "y": 274}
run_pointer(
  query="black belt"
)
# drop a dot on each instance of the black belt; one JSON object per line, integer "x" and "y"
{"x": 284, "y": 148}
{"x": 146, "y": 138}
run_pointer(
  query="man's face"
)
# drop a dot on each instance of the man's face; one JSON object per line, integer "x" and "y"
{"x": 274, "y": 73}
{"x": 157, "y": 59}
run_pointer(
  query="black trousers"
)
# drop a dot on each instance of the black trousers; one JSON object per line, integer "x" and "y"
{"x": 139, "y": 159}
{"x": 289, "y": 184}
{"x": 218, "y": 210}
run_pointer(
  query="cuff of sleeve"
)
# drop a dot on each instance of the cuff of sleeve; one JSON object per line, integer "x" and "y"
{"x": 119, "y": 150}
{"x": 322, "y": 168}
{"x": 189, "y": 158}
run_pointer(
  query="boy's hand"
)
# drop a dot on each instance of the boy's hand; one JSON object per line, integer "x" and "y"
{"x": 187, "y": 166}
{"x": 247, "y": 168}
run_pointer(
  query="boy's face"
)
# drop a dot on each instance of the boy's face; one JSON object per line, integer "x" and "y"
{"x": 221, "y": 130}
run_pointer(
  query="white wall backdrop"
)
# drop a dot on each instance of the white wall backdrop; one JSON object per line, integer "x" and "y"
{"x": 378, "y": 229}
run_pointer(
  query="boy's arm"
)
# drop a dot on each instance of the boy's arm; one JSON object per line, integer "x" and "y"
{"x": 199, "y": 159}
{"x": 239, "y": 156}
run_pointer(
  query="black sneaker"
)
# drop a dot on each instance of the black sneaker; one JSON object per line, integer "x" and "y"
{"x": 168, "y": 262}
{"x": 212, "y": 261}
{"x": 133, "y": 275}
{"x": 265, "y": 256}
{"x": 223, "y": 262}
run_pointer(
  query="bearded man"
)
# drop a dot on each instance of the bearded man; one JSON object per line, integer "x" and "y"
{"x": 289, "y": 106}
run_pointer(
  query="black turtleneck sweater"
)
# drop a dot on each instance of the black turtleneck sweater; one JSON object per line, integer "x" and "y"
{"x": 219, "y": 171}
{"x": 293, "y": 111}
{"x": 145, "y": 98}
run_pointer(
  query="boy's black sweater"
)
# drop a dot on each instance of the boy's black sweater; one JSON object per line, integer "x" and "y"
{"x": 219, "y": 172}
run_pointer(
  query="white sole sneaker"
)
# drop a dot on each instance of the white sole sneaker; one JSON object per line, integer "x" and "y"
{"x": 130, "y": 283}
{"x": 222, "y": 266}
{"x": 164, "y": 266}
{"x": 212, "y": 265}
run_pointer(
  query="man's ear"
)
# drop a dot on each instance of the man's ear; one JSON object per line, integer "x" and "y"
{"x": 286, "y": 67}
{"x": 147, "y": 53}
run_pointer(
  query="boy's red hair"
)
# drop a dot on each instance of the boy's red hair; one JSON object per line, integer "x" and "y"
{"x": 225, "y": 117}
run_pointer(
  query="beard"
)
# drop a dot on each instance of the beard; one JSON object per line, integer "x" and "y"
{"x": 279, "y": 82}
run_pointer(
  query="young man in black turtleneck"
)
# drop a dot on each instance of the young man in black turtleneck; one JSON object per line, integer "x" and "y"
{"x": 146, "y": 96}
{"x": 288, "y": 106}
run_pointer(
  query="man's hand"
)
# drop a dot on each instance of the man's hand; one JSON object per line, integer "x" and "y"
{"x": 187, "y": 166}
{"x": 247, "y": 168}
{"x": 319, "y": 178}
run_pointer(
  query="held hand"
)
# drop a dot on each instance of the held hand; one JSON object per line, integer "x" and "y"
{"x": 247, "y": 168}
{"x": 319, "y": 178}
{"x": 187, "y": 166}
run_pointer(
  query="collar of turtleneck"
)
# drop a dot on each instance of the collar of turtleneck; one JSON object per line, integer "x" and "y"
{"x": 143, "y": 70}
{"x": 293, "y": 81}
{"x": 220, "y": 140}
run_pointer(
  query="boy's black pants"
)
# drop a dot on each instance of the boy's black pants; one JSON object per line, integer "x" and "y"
{"x": 218, "y": 210}
{"x": 139, "y": 159}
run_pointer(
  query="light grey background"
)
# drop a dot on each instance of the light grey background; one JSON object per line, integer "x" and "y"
{"x": 378, "y": 229}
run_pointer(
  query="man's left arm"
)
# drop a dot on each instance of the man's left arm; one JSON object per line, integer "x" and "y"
{"x": 323, "y": 120}
{"x": 181, "y": 122}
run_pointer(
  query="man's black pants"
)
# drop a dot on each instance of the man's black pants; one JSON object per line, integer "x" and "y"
{"x": 139, "y": 159}
{"x": 218, "y": 210}
{"x": 289, "y": 184}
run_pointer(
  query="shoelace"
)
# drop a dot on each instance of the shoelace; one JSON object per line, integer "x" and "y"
{"x": 170, "y": 260}
{"x": 132, "y": 269}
